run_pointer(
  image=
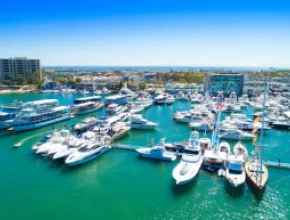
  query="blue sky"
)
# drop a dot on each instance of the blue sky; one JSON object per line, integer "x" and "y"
{"x": 148, "y": 32}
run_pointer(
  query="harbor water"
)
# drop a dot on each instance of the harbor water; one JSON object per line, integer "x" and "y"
{"x": 121, "y": 185}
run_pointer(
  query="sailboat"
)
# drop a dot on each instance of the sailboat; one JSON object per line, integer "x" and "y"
{"x": 257, "y": 172}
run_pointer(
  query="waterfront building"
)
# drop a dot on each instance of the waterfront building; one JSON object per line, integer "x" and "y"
{"x": 19, "y": 66}
{"x": 225, "y": 82}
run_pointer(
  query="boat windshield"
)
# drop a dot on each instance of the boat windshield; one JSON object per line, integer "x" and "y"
{"x": 235, "y": 168}
{"x": 191, "y": 152}
{"x": 83, "y": 149}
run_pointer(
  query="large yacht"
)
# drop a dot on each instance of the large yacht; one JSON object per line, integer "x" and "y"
{"x": 86, "y": 153}
{"x": 87, "y": 99}
{"x": 157, "y": 152}
{"x": 114, "y": 109}
{"x": 236, "y": 135}
{"x": 86, "y": 108}
{"x": 10, "y": 112}
{"x": 116, "y": 99}
{"x": 137, "y": 122}
{"x": 190, "y": 163}
{"x": 38, "y": 116}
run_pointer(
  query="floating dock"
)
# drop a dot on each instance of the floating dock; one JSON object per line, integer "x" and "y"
{"x": 126, "y": 147}
{"x": 277, "y": 164}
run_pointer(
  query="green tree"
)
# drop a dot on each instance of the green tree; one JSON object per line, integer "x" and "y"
{"x": 78, "y": 80}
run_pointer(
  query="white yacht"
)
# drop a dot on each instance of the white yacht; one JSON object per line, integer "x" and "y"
{"x": 85, "y": 125}
{"x": 87, "y": 99}
{"x": 170, "y": 99}
{"x": 86, "y": 153}
{"x": 236, "y": 135}
{"x": 118, "y": 130}
{"x": 124, "y": 116}
{"x": 58, "y": 139}
{"x": 157, "y": 152}
{"x": 146, "y": 102}
{"x": 137, "y": 122}
{"x": 116, "y": 99}
{"x": 181, "y": 96}
{"x": 36, "y": 117}
{"x": 235, "y": 174}
{"x": 191, "y": 161}
{"x": 44, "y": 140}
{"x": 86, "y": 108}
{"x": 13, "y": 110}
{"x": 134, "y": 109}
{"x": 160, "y": 99}
{"x": 115, "y": 109}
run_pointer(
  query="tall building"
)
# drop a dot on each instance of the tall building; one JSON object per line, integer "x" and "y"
{"x": 14, "y": 66}
{"x": 225, "y": 82}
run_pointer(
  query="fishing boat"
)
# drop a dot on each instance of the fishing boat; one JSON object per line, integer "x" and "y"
{"x": 86, "y": 153}
{"x": 190, "y": 163}
{"x": 236, "y": 135}
{"x": 235, "y": 174}
{"x": 257, "y": 172}
{"x": 137, "y": 122}
{"x": 86, "y": 108}
{"x": 157, "y": 152}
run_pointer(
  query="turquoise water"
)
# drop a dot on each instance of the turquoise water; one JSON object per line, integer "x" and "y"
{"x": 120, "y": 185}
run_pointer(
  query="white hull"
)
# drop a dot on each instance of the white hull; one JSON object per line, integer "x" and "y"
{"x": 89, "y": 158}
{"x": 193, "y": 169}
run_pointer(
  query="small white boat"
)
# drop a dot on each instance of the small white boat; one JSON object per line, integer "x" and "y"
{"x": 157, "y": 152}
{"x": 86, "y": 153}
{"x": 235, "y": 174}
{"x": 191, "y": 161}
{"x": 240, "y": 150}
{"x": 224, "y": 147}
{"x": 236, "y": 135}
{"x": 137, "y": 122}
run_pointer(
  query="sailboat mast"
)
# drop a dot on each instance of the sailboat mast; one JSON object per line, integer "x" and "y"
{"x": 262, "y": 130}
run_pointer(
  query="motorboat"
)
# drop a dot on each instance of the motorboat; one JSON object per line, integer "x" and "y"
{"x": 181, "y": 96}
{"x": 235, "y": 174}
{"x": 145, "y": 102}
{"x": 137, "y": 122}
{"x": 240, "y": 150}
{"x": 134, "y": 109}
{"x": 116, "y": 99}
{"x": 191, "y": 161}
{"x": 56, "y": 141}
{"x": 124, "y": 116}
{"x": 170, "y": 99}
{"x": 86, "y": 124}
{"x": 160, "y": 99}
{"x": 157, "y": 152}
{"x": 86, "y": 108}
{"x": 86, "y": 153}
{"x": 118, "y": 130}
{"x": 236, "y": 135}
{"x": 115, "y": 109}
{"x": 176, "y": 147}
{"x": 224, "y": 147}
{"x": 44, "y": 140}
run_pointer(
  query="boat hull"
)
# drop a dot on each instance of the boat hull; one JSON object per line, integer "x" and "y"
{"x": 39, "y": 125}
